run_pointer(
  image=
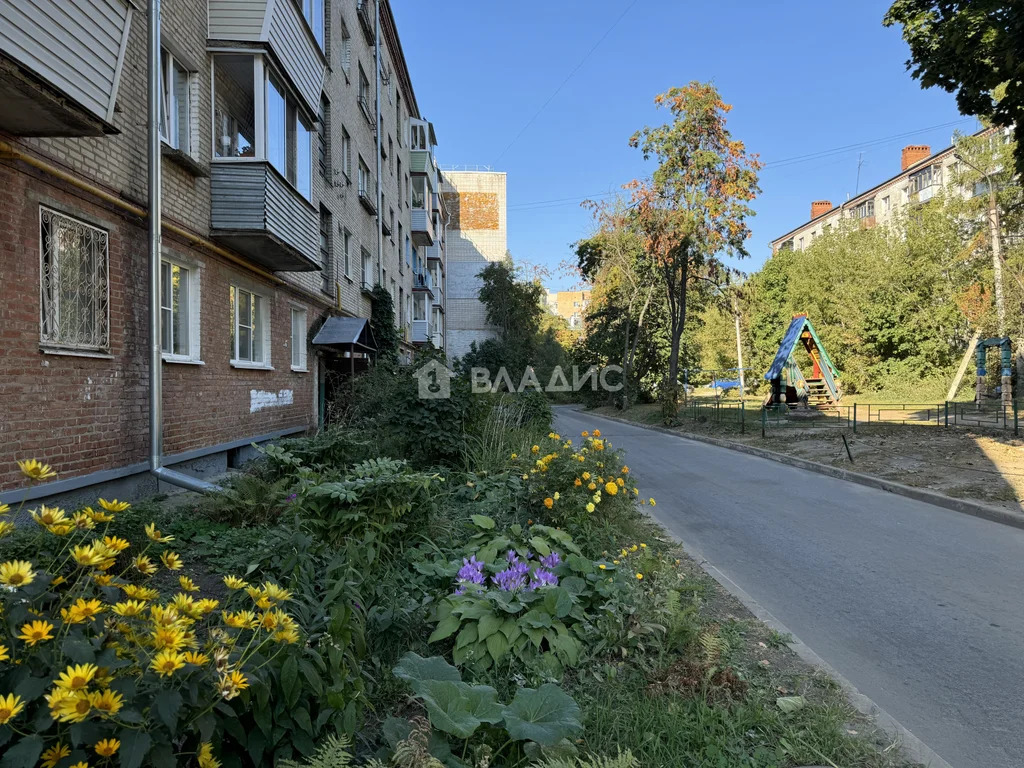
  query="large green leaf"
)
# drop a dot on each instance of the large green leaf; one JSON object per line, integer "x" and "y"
{"x": 25, "y": 752}
{"x": 167, "y": 703}
{"x": 134, "y": 746}
{"x": 482, "y": 521}
{"x": 413, "y": 667}
{"x": 545, "y": 715}
{"x": 444, "y": 629}
{"x": 458, "y": 708}
{"x": 488, "y": 624}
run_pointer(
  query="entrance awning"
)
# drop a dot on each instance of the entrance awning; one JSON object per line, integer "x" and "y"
{"x": 346, "y": 334}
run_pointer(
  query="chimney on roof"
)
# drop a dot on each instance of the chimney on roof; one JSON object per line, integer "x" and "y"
{"x": 914, "y": 154}
{"x": 819, "y": 207}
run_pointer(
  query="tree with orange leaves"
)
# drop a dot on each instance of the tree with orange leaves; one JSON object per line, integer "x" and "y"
{"x": 694, "y": 207}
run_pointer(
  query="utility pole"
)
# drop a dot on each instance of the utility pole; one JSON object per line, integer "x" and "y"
{"x": 739, "y": 345}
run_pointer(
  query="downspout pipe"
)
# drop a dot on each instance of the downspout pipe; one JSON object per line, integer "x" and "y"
{"x": 156, "y": 435}
{"x": 380, "y": 166}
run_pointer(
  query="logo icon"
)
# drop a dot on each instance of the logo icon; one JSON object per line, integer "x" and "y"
{"x": 434, "y": 381}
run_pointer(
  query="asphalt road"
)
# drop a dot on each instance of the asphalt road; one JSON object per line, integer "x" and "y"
{"x": 920, "y": 607}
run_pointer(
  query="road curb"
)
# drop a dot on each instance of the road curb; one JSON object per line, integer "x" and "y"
{"x": 913, "y": 747}
{"x": 973, "y": 508}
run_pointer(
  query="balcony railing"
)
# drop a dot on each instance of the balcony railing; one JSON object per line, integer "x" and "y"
{"x": 422, "y": 227}
{"x": 367, "y": 19}
{"x": 367, "y": 193}
{"x": 366, "y": 107}
{"x": 437, "y": 340}
{"x": 259, "y": 214}
{"x": 59, "y": 65}
{"x": 422, "y": 331}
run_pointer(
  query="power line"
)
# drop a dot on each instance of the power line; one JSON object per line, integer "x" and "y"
{"x": 567, "y": 79}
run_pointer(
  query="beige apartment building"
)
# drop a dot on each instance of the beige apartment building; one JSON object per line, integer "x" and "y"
{"x": 569, "y": 305}
{"x": 285, "y": 199}
{"x": 477, "y": 235}
{"x": 922, "y": 174}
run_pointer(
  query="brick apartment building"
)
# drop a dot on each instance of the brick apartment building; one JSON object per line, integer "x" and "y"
{"x": 570, "y": 306}
{"x": 271, "y": 218}
{"x": 922, "y": 174}
{"x": 477, "y": 234}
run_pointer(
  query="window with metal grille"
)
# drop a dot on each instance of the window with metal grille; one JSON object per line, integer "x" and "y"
{"x": 74, "y": 287}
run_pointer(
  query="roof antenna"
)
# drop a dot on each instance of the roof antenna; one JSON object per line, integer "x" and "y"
{"x": 860, "y": 162}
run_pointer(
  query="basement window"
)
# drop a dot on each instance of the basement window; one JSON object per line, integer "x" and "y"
{"x": 250, "y": 329}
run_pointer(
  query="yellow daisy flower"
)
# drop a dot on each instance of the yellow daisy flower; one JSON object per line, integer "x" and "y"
{"x": 114, "y": 506}
{"x": 144, "y": 564}
{"x": 97, "y": 516}
{"x": 155, "y": 535}
{"x": 139, "y": 592}
{"x": 16, "y": 573}
{"x": 36, "y": 470}
{"x": 48, "y": 516}
{"x": 115, "y": 544}
{"x": 187, "y": 584}
{"x": 233, "y": 582}
{"x": 171, "y": 561}
{"x": 107, "y": 703}
{"x": 82, "y": 521}
{"x": 639, "y": 577}
{"x": 87, "y": 555}
{"x": 69, "y": 706}
{"x": 276, "y": 593}
{"x": 36, "y": 632}
{"x": 55, "y": 754}
{"x": 129, "y": 608}
{"x": 6, "y": 527}
{"x": 76, "y": 677}
{"x": 167, "y": 662}
{"x": 200, "y": 659}
{"x": 205, "y": 756}
{"x": 107, "y": 747}
{"x": 10, "y": 706}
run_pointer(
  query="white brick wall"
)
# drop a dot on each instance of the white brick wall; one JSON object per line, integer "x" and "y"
{"x": 469, "y": 251}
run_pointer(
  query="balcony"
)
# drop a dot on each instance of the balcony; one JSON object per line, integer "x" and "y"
{"x": 281, "y": 27}
{"x": 435, "y": 252}
{"x": 260, "y": 215}
{"x": 438, "y": 296}
{"x": 422, "y": 332}
{"x": 437, "y": 340}
{"x": 366, "y": 107}
{"x": 422, "y": 227}
{"x": 367, "y": 19}
{"x": 60, "y": 63}
{"x": 366, "y": 194}
{"x": 423, "y": 282}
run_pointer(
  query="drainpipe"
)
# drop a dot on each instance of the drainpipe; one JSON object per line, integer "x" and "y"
{"x": 156, "y": 437}
{"x": 380, "y": 167}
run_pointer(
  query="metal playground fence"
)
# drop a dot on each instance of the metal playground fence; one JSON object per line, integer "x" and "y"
{"x": 993, "y": 416}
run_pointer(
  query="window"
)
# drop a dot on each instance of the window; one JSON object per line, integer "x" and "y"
{"x": 398, "y": 244}
{"x": 313, "y": 11}
{"x": 367, "y": 270}
{"x": 298, "y": 339}
{"x": 886, "y": 204}
{"x": 250, "y": 329}
{"x": 864, "y": 210}
{"x": 408, "y": 190}
{"x": 324, "y": 144}
{"x": 179, "y": 294}
{"x": 391, "y": 154}
{"x": 419, "y": 135}
{"x": 347, "y": 241}
{"x": 74, "y": 290}
{"x": 419, "y": 191}
{"x": 175, "y": 103}
{"x": 800, "y": 243}
{"x": 398, "y": 176}
{"x": 364, "y": 178}
{"x": 419, "y": 307}
{"x": 327, "y": 265}
{"x": 398, "y": 121}
{"x": 364, "y": 95}
{"x": 346, "y": 50}
{"x": 400, "y": 306}
{"x": 391, "y": 220}
{"x": 408, "y": 251}
{"x": 346, "y": 155}
{"x": 287, "y": 142}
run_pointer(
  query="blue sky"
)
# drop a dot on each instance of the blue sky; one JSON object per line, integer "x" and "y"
{"x": 804, "y": 78}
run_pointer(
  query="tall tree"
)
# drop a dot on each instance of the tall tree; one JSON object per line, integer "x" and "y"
{"x": 613, "y": 260}
{"x": 695, "y": 205}
{"x": 974, "y": 48}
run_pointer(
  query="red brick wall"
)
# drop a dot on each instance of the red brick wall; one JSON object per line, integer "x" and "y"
{"x": 84, "y": 414}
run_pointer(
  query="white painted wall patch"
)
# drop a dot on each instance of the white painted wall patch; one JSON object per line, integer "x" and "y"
{"x": 260, "y": 399}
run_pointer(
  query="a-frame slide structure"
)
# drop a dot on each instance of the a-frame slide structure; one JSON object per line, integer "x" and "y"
{"x": 788, "y": 381}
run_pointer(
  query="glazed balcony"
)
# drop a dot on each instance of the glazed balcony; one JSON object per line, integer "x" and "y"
{"x": 60, "y": 64}
{"x": 256, "y": 212}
